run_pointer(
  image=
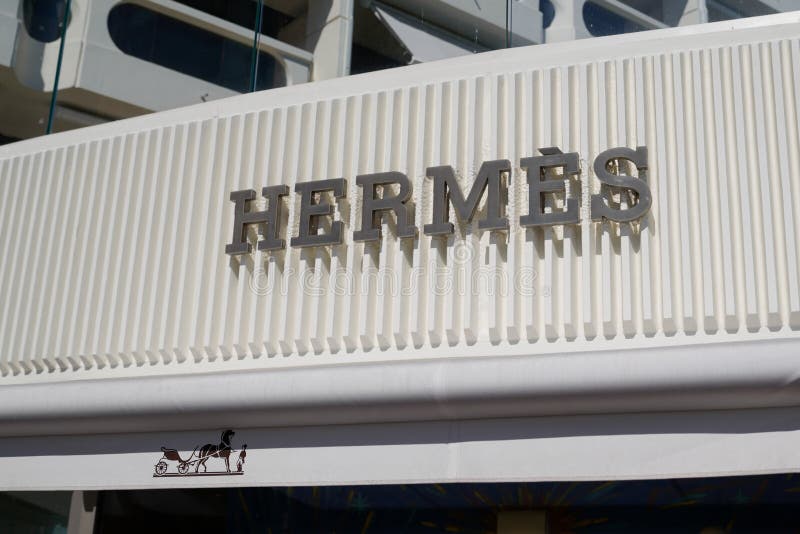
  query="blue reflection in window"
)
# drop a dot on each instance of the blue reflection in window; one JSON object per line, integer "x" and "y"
{"x": 184, "y": 48}
{"x": 600, "y": 21}
{"x": 548, "y": 12}
{"x": 43, "y": 18}
{"x": 738, "y": 9}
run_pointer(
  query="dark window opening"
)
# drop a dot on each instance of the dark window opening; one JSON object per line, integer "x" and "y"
{"x": 242, "y": 13}
{"x": 668, "y": 12}
{"x": 7, "y": 140}
{"x": 34, "y": 512}
{"x": 374, "y": 46}
{"x": 365, "y": 60}
{"x": 600, "y": 21}
{"x": 548, "y": 12}
{"x": 43, "y": 18}
{"x": 752, "y": 504}
{"x": 184, "y": 48}
{"x": 736, "y": 9}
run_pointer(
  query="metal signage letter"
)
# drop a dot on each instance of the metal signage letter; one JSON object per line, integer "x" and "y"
{"x": 539, "y": 185}
{"x": 311, "y": 211}
{"x": 270, "y": 217}
{"x": 639, "y": 188}
{"x": 446, "y": 191}
{"x": 372, "y": 206}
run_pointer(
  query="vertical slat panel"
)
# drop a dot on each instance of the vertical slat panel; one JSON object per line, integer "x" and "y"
{"x": 612, "y": 242}
{"x": 364, "y": 323}
{"x": 161, "y": 233}
{"x": 219, "y": 335}
{"x": 9, "y": 183}
{"x": 635, "y": 236}
{"x": 790, "y": 126}
{"x": 654, "y": 218}
{"x": 713, "y": 196}
{"x": 130, "y": 305}
{"x": 353, "y": 154}
{"x": 278, "y": 260}
{"x": 593, "y": 188}
{"x": 754, "y": 190}
{"x": 166, "y": 286}
{"x": 243, "y": 153}
{"x": 576, "y": 281}
{"x": 780, "y": 263}
{"x": 175, "y": 303}
{"x": 673, "y": 228}
{"x": 75, "y": 246}
{"x": 29, "y": 310}
{"x": 422, "y": 256}
{"x": 15, "y": 238}
{"x": 556, "y": 280}
{"x": 340, "y": 158}
{"x": 53, "y": 279}
{"x": 106, "y": 334}
{"x": 535, "y": 236}
{"x": 734, "y": 196}
{"x": 295, "y": 162}
{"x": 133, "y": 273}
{"x": 691, "y": 178}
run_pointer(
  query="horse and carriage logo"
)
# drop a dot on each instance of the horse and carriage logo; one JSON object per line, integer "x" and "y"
{"x": 199, "y": 456}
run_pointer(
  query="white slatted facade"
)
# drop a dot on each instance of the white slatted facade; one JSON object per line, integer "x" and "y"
{"x": 113, "y": 247}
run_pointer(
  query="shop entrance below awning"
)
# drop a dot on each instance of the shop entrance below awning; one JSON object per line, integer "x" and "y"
{"x": 761, "y": 503}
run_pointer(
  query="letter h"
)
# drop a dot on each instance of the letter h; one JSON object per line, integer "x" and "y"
{"x": 270, "y": 217}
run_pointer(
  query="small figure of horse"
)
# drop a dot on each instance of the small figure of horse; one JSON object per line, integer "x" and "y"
{"x": 223, "y": 450}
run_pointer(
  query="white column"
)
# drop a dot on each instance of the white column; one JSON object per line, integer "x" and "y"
{"x": 82, "y": 508}
{"x": 329, "y": 34}
{"x": 522, "y": 522}
{"x": 567, "y": 23}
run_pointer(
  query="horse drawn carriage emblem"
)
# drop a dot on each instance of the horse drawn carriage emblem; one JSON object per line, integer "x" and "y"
{"x": 198, "y": 458}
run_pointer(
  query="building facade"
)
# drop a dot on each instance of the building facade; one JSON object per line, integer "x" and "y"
{"x": 443, "y": 296}
{"x": 116, "y": 53}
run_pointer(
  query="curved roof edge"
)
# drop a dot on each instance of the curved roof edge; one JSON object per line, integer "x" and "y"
{"x": 740, "y": 375}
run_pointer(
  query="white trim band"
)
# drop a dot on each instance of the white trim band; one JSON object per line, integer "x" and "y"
{"x": 741, "y": 375}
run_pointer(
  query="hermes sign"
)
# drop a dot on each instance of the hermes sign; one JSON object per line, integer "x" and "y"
{"x": 390, "y": 192}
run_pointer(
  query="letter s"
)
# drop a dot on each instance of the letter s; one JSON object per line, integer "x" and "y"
{"x": 600, "y": 209}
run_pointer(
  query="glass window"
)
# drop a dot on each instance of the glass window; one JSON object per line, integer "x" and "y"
{"x": 657, "y": 9}
{"x": 243, "y": 13}
{"x": 548, "y": 11}
{"x": 762, "y": 504}
{"x": 34, "y": 512}
{"x": 6, "y": 140}
{"x": 374, "y": 46}
{"x": 385, "y": 34}
{"x": 184, "y": 48}
{"x": 364, "y": 60}
{"x": 736, "y": 9}
{"x": 600, "y": 21}
{"x": 43, "y": 18}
